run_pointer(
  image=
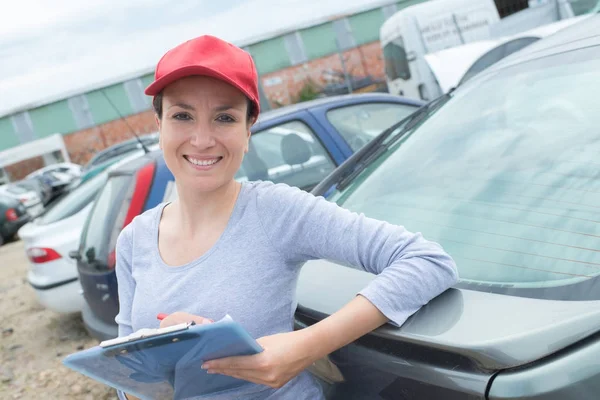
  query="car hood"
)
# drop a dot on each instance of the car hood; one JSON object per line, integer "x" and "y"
{"x": 495, "y": 331}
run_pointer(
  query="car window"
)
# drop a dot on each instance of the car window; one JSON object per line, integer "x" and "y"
{"x": 517, "y": 44}
{"x": 74, "y": 201}
{"x": 396, "y": 60}
{"x": 486, "y": 60}
{"x": 497, "y": 54}
{"x": 289, "y": 153}
{"x": 95, "y": 238}
{"x": 359, "y": 123}
{"x": 511, "y": 191}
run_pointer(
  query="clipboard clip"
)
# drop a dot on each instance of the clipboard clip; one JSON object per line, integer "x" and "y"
{"x": 146, "y": 333}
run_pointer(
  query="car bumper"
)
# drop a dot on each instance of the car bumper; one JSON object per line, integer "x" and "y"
{"x": 62, "y": 297}
{"x": 12, "y": 227}
{"x": 96, "y": 327}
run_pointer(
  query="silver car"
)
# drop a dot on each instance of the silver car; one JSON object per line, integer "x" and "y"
{"x": 504, "y": 172}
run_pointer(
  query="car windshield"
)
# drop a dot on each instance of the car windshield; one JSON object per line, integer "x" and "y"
{"x": 396, "y": 60}
{"x": 505, "y": 177}
{"x": 74, "y": 201}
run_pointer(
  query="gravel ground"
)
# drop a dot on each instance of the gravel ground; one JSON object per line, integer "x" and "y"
{"x": 33, "y": 341}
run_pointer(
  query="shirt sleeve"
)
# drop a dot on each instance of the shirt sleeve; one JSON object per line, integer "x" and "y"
{"x": 411, "y": 270}
{"x": 125, "y": 281}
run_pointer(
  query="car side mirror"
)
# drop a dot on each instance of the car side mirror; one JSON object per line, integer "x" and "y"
{"x": 75, "y": 255}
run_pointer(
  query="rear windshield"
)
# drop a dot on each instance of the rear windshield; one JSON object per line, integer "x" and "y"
{"x": 505, "y": 176}
{"x": 73, "y": 202}
{"x": 16, "y": 189}
{"x": 96, "y": 236}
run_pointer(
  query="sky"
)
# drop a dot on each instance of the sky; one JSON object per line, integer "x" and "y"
{"x": 52, "y": 48}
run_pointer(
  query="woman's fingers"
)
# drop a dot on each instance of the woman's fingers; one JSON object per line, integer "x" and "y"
{"x": 182, "y": 317}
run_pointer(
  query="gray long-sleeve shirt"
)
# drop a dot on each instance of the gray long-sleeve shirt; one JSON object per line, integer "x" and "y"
{"x": 251, "y": 271}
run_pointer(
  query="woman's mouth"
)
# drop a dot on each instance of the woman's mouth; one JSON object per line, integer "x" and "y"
{"x": 203, "y": 163}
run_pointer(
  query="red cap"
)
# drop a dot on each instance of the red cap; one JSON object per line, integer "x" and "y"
{"x": 208, "y": 56}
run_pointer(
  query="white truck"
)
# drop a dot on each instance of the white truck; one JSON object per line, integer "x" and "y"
{"x": 410, "y": 34}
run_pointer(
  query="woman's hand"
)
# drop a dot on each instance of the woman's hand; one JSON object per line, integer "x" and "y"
{"x": 285, "y": 355}
{"x": 181, "y": 318}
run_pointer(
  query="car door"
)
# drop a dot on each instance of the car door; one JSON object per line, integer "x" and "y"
{"x": 289, "y": 152}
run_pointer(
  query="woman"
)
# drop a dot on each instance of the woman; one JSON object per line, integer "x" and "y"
{"x": 229, "y": 248}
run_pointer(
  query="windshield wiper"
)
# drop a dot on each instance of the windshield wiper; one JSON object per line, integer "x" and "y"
{"x": 380, "y": 145}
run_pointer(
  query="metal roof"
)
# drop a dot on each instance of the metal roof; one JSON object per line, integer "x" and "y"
{"x": 150, "y": 69}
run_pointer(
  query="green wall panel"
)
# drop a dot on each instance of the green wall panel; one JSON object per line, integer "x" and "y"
{"x": 365, "y": 26}
{"x": 147, "y": 79}
{"x": 270, "y": 55}
{"x": 102, "y": 110}
{"x": 407, "y": 3}
{"x": 52, "y": 118}
{"x": 319, "y": 41}
{"x": 8, "y": 136}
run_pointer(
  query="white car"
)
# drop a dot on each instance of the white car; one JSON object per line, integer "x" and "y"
{"x": 68, "y": 169}
{"x": 29, "y": 198}
{"x": 59, "y": 175}
{"x": 49, "y": 240}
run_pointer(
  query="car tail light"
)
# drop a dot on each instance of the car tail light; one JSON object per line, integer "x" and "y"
{"x": 132, "y": 207}
{"x": 11, "y": 215}
{"x": 40, "y": 255}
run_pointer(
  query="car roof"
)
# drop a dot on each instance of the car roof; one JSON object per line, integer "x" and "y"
{"x": 116, "y": 146}
{"x": 332, "y": 100}
{"x": 130, "y": 166}
{"x": 585, "y": 33}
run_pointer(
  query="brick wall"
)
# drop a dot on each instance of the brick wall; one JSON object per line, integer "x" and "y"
{"x": 282, "y": 87}
{"x": 82, "y": 145}
{"x": 21, "y": 169}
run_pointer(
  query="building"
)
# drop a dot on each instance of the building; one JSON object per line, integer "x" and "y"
{"x": 332, "y": 56}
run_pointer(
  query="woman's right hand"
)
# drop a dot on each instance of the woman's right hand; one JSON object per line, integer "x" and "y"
{"x": 183, "y": 317}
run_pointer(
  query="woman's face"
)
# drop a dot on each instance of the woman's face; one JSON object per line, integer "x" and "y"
{"x": 204, "y": 131}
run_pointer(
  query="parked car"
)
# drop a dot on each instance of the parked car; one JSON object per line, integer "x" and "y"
{"x": 40, "y": 186}
{"x": 298, "y": 145}
{"x": 26, "y": 195}
{"x": 503, "y": 173}
{"x": 13, "y": 216}
{"x": 58, "y": 176}
{"x": 120, "y": 150}
{"x": 52, "y": 273}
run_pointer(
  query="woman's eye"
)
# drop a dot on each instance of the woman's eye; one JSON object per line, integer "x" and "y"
{"x": 225, "y": 118}
{"x": 182, "y": 116}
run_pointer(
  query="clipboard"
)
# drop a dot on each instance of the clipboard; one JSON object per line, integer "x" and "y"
{"x": 165, "y": 363}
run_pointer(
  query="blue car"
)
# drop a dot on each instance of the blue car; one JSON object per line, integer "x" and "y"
{"x": 299, "y": 145}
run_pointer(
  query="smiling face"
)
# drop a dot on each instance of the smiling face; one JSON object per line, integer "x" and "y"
{"x": 204, "y": 131}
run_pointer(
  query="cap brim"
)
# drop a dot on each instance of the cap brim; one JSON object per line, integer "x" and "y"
{"x": 158, "y": 85}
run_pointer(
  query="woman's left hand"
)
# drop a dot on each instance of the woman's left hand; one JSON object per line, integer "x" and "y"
{"x": 285, "y": 355}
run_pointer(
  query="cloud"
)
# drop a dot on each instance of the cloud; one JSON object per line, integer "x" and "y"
{"x": 64, "y": 46}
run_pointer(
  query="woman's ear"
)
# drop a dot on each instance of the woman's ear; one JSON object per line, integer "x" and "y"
{"x": 157, "y": 120}
{"x": 248, "y": 141}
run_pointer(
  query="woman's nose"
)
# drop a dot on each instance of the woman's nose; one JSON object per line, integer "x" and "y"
{"x": 202, "y": 138}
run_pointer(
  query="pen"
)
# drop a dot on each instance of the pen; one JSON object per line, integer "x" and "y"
{"x": 161, "y": 316}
